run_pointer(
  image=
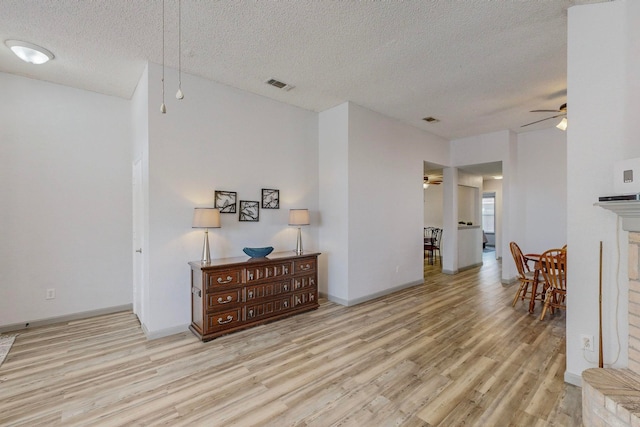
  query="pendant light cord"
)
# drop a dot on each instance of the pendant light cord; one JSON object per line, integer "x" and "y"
{"x": 163, "y": 108}
{"x": 179, "y": 44}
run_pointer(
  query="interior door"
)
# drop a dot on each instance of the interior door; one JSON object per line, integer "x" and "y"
{"x": 138, "y": 239}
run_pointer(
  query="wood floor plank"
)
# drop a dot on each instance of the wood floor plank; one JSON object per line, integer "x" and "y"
{"x": 451, "y": 352}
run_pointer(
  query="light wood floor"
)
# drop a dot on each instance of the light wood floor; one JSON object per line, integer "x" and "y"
{"x": 452, "y": 352}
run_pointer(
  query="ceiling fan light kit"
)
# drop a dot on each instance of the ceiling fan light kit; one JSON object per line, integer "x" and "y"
{"x": 563, "y": 124}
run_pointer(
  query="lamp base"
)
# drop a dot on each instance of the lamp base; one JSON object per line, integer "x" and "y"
{"x": 206, "y": 254}
{"x": 299, "y": 250}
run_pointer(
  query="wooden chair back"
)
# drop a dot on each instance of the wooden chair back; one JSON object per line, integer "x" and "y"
{"x": 519, "y": 259}
{"x": 554, "y": 269}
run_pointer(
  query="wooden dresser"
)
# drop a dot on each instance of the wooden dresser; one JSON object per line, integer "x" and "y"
{"x": 230, "y": 294}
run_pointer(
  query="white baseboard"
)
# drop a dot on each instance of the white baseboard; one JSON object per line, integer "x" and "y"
{"x": 154, "y": 335}
{"x": 369, "y": 297}
{"x": 573, "y": 379}
{"x": 509, "y": 282}
{"x": 66, "y": 318}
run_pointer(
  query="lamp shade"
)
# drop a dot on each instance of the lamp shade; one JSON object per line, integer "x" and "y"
{"x": 299, "y": 217}
{"x": 206, "y": 218}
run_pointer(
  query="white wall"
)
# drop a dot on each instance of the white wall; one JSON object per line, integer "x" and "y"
{"x": 385, "y": 200}
{"x": 433, "y": 203}
{"x": 65, "y": 186}
{"x": 468, "y": 198}
{"x": 334, "y": 200}
{"x": 220, "y": 138}
{"x": 602, "y": 70}
{"x": 542, "y": 177}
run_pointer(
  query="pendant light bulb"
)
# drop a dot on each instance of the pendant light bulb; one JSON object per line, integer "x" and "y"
{"x": 163, "y": 108}
{"x": 179, "y": 94}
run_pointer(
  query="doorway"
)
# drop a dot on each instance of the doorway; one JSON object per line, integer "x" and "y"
{"x": 489, "y": 222}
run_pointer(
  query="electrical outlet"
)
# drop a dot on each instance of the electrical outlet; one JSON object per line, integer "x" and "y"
{"x": 51, "y": 294}
{"x": 587, "y": 342}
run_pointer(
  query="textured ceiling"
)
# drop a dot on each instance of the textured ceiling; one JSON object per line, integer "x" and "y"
{"x": 477, "y": 65}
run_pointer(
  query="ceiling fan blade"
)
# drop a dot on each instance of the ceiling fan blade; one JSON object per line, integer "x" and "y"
{"x": 545, "y": 111}
{"x": 548, "y": 118}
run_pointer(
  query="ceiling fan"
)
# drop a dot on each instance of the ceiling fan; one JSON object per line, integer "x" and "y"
{"x": 434, "y": 180}
{"x": 562, "y": 110}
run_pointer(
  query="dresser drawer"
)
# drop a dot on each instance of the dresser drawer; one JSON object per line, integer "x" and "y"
{"x": 305, "y": 298}
{"x": 223, "y": 320}
{"x": 266, "y": 309}
{"x": 220, "y": 300}
{"x": 255, "y": 292}
{"x": 272, "y": 271}
{"x": 304, "y": 265}
{"x": 223, "y": 278}
{"x": 301, "y": 282}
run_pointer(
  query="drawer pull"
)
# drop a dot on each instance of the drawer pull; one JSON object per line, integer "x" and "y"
{"x": 229, "y": 279}
{"x": 228, "y": 300}
{"x": 305, "y": 267}
{"x": 251, "y": 313}
{"x": 285, "y": 304}
{"x": 250, "y": 294}
{"x": 286, "y": 288}
{"x": 285, "y": 270}
{"x": 222, "y": 322}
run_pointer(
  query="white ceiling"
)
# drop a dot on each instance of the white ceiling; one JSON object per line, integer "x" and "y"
{"x": 477, "y": 65}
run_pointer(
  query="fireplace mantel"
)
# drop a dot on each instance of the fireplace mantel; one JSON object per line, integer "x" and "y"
{"x": 629, "y": 211}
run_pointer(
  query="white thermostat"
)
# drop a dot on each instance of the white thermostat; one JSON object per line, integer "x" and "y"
{"x": 626, "y": 176}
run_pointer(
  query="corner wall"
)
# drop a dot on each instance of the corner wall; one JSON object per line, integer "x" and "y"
{"x": 602, "y": 70}
{"x": 383, "y": 250}
{"x": 220, "y": 138}
{"x": 65, "y": 186}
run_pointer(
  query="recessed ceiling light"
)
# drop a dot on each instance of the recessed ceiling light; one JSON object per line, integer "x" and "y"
{"x": 497, "y": 177}
{"x": 29, "y": 52}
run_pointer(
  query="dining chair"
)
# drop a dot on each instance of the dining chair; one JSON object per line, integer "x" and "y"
{"x": 431, "y": 246}
{"x": 526, "y": 275}
{"x": 428, "y": 232}
{"x": 554, "y": 270}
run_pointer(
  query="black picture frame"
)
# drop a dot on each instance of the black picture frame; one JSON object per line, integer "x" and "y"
{"x": 226, "y": 201}
{"x": 270, "y": 198}
{"x": 249, "y": 211}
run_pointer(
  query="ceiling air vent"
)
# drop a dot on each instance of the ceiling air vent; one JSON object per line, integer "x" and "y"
{"x": 431, "y": 119}
{"x": 279, "y": 84}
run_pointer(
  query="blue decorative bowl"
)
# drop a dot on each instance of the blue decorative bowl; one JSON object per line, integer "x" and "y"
{"x": 258, "y": 252}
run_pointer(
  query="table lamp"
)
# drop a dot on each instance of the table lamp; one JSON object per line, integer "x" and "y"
{"x": 206, "y": 218}
{"x": 299, "y": 217}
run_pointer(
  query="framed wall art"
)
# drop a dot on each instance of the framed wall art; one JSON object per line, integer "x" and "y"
{"x": 226, "y": 201}
{"x": 249, "y": 211}
{"x": 270, "y": 198}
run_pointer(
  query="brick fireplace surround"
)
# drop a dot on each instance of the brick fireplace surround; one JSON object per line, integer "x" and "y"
{"x": 611, "y": 397}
